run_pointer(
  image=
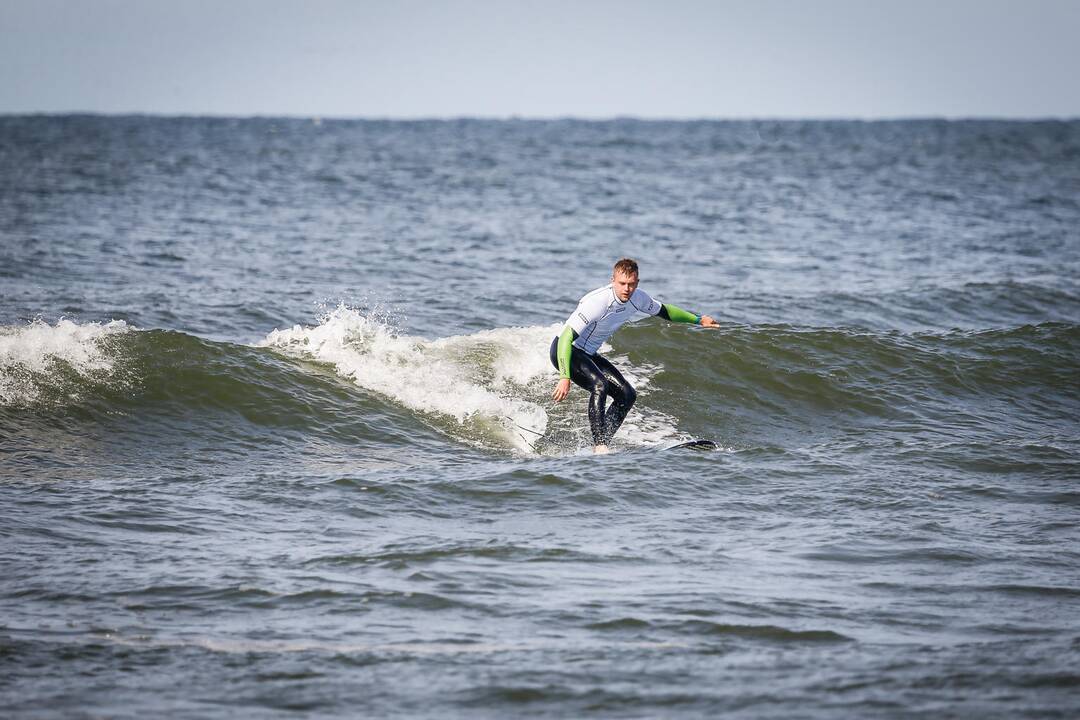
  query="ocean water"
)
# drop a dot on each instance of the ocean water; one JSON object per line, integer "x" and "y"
{"x": 276, "y": 437}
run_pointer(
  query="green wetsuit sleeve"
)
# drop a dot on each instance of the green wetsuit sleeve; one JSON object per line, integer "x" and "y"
{"x": 677, "y": 314}
{"x": 566, "y": 345}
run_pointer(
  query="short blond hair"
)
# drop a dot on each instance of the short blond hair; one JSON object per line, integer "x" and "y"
{"x": 626, "y": 266}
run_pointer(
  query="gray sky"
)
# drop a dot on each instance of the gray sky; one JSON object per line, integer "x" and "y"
{"x": 585, "y": 58}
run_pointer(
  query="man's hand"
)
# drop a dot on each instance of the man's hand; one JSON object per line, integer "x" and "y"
{"x": 708, "y": 322}
{"x": 561, "y": 390}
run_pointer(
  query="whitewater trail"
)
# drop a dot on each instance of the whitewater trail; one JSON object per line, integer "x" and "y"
{"x": 493, "y": 384}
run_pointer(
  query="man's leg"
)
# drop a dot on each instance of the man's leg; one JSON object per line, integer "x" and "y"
{"x": 585, "y": 374}
{"x": 622, "y": 395}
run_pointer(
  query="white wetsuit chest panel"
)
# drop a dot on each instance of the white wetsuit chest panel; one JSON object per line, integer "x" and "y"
{"x": 600, "y": 313}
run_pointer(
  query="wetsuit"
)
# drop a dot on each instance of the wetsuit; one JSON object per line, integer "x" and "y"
{"x": 599, "y": 314}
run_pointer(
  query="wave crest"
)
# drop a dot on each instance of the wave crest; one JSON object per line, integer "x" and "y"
{"x": 53, "y": 364}
{"x": 476, "y": 380}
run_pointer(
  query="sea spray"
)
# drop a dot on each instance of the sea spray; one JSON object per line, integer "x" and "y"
{"x": 40, "y": 362}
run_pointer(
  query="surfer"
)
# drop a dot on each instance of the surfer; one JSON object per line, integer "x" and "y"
{"x": 573, "y": 353}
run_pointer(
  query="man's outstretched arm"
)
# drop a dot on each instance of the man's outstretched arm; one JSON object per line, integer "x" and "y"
{"x": 677, "y": 314}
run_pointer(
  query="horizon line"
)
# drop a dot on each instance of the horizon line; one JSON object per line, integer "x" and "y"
{"x": 513, "y": 117}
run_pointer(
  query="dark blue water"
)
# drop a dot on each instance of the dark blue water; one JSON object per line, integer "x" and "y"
{"x": 276, "y": 436}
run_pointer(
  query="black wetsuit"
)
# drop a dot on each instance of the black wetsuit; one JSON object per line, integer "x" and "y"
{"x": 603, "y": 380}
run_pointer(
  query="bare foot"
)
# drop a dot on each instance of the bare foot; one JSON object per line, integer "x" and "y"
{"x": 601, "y": 450}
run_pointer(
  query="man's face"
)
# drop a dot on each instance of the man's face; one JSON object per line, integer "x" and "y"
{"x": 624, "y": 285}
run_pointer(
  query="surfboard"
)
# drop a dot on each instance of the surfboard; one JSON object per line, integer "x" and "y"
{"x": 694, "y": 445}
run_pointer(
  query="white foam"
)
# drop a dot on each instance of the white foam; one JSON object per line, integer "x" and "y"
{"x": 493, "y": 384}
{"x": 469, "y": 378}
{"x": 31, "y": 356}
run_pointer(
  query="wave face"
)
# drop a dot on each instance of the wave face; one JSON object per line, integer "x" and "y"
{"x": 748, "y": 386}
{"x": 791, "y": 380}
{"x": 277, "y": 437}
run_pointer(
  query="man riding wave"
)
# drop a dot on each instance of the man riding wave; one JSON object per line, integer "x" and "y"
{"x": 574, "y": 352}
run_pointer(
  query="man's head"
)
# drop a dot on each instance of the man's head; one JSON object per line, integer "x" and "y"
{"x": 624, "y": 279}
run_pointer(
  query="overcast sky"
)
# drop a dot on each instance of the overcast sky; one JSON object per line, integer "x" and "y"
{"x": 543, "y": 58}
